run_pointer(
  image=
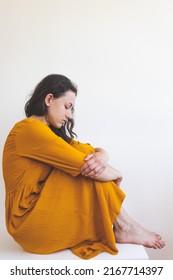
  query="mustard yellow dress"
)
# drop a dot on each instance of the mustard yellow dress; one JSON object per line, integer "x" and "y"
{"x": 50, "y": 206}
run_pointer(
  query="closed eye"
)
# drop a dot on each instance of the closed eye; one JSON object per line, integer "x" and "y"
{"x": 69, "y": 107}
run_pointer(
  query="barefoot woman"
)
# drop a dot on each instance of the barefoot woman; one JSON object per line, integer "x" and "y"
{"x": 61, "y": 193}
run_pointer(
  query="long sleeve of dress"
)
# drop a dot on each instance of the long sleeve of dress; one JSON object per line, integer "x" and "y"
{"x": 41, "y": 144}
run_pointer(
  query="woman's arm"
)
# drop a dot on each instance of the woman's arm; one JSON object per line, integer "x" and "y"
{"x": 96, "y": 167}
{"x": 95, "y": 163}
{"x": 109, "y": 174}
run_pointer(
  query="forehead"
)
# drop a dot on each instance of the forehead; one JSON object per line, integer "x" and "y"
{"x": 69, "y": 96}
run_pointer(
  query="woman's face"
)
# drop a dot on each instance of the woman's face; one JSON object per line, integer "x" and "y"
{"x": 60, "y": 110}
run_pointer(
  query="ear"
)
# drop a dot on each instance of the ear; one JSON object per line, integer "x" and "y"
{"x": 48, "y": 99}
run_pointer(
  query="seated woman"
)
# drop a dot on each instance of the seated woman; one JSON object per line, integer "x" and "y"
{"x": 61, "y": 193}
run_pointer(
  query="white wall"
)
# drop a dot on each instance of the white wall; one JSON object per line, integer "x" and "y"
{"x": 120, "y": 53}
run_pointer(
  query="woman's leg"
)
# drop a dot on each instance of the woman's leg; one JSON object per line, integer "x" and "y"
{"x": 127, "y": 230}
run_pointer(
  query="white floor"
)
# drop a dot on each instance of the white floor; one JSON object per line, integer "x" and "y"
{"x": 10, "y": 250}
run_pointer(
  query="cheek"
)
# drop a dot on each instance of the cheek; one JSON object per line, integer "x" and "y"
{"x": 61, "y": 111}
{"x": 57, "y": 113}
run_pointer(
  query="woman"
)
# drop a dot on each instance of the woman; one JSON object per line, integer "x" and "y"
{"x": 61, "y": 193}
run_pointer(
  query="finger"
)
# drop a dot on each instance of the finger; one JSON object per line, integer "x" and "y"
{"x": 87, "y": 164}
{"x": 89, "y": 156}
{"x": 91, "y": 174}
{"x": 95, "y": 172}
{"x": 100, "y": 171}
{"x": 89, "y": 169}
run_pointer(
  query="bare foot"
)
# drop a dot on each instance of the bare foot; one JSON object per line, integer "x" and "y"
{"x": 126, "y": 230}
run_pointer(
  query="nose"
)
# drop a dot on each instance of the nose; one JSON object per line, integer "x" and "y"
{"x": 69, "y": 114}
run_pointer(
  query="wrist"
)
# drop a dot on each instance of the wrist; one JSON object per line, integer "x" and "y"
{"x": 103, "y": 152}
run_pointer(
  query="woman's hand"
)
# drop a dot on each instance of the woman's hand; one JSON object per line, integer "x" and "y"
{"x": 95, "y": 163}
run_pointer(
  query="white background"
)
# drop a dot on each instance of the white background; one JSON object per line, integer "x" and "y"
{"x": 120, "y": 54}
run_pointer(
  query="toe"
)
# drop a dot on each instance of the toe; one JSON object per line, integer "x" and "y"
{"x": 160, "y": 244}
{"x": 155, "y": 246}
{"x": 157, "y": 235}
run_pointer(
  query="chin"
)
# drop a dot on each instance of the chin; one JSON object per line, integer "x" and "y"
{"x": 59, "y": 125}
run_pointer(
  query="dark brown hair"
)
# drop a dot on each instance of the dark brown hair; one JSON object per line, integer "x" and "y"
{"x": 58, "y": 85}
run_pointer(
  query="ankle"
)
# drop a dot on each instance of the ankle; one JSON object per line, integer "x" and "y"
{"x": 121, "y": 225}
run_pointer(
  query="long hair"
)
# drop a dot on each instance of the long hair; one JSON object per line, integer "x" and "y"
{"x": 58, "y": 85}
